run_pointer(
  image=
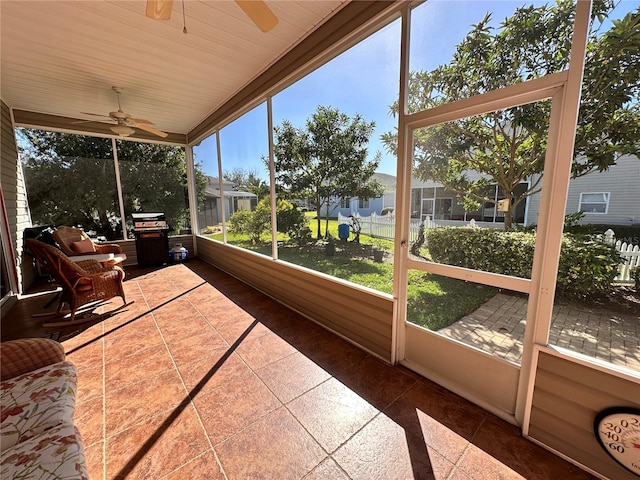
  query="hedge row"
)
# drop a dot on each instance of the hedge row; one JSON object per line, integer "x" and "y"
{"x": 626, "y": 233}
{"x": 587, "y": 265}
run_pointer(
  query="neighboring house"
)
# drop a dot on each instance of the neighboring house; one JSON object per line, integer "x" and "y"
{"x": 366, "y": 207}
{"x": 430, "y": 200}
{"x": 611, "y": 197}
{"x": 210, "y": 212}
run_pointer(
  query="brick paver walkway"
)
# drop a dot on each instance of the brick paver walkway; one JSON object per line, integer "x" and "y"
{"x": 498, "y": 325}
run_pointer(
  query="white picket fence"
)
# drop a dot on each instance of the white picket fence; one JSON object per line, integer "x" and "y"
{"x": 630, "y": 259}
{"x": 383, "y": 226}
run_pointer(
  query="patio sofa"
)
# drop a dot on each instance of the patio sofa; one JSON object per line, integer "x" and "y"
{"x": 37, "y": 434}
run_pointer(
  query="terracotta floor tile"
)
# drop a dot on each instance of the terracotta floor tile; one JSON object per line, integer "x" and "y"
{"x": 327, "y": 470}
{"x": 332, "y": 353}
{"x": 478, "y": 464}
{"x": 380, "y": 451}
{"x": 181, "y": 326}
{"x": 89, "y": 418}
{"x": 229, "y": 408}
{"x": 204, "y": 293}
{"x": 167, "y": 313}
{"x": 377, "y": 382}
{"x": 90, "y": 384}
{"x": 275, "y": 447}
{"x": 204, "y": 467}
{"x": 157, "y": 446}
{"x": 153, "y": 360}
{"x": 128, "y": 342}
{"x": 128, "y": 316}
{"x": 234, "y": 327}
{"x": 137, "y": 326}
{"x": 422, "y": 430}
{"x": 459, "y": 474}
{"x": 217, "y": 310}
{"x": 196, "y": 346}
{"x": 259, "y": 350}
{"x": 85, "y": 355}
{"x": 88, "y": 336}
{"x": 94, "y": 456}
{"x": 332, "y": 413}
{"x": 498, "y": 446}
{"x": 438, "y": 421}
{"x": 291, "y": 376}
{"x": 219, "y": 368}
{"x": 132, "y": 404}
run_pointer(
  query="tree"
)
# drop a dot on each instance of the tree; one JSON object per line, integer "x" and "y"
{"x": 326, "y": 161}
{"x": 508, "y": 147}
{"x": 247, "y": 181}
{"x": 71, "y": 180}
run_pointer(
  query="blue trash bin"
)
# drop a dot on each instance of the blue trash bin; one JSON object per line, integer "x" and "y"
{"x": 343, "y": 231}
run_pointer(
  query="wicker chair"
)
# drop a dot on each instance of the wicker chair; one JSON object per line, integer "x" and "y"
{"x": 82, "y": 282}
{"x": 66, "y": 236}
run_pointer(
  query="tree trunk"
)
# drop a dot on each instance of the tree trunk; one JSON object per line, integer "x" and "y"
{"x": 508, "y": 219}
{"x": 319, "y": 224}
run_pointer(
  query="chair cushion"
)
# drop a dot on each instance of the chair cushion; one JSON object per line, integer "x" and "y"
{"x": 54, "y": 454}
{"x": 83, "y": 246}
{"x": 35, "y": 402}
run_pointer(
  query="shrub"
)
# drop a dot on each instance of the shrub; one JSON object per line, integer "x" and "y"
{"x": 587, "y": 265}
{"x": 293, "y": 222}
{"x": 626, "y": 233}
{"x": 635, "y": 275}
{"x": 253, "y": 223}
{"x": 386, "y": 211}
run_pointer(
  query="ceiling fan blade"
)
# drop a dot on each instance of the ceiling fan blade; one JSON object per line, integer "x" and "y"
{"x": 259, "y": 14}
{"x": 95, "y": 115}
{"x": 87, "y": 121}
{"x": 142, "y": 120}
{"x": 159, "y": 9}
{"x": 146, "y": 128}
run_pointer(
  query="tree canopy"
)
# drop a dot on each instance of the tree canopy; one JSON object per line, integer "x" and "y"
{"x": 247, "y": 181}
{"x": 71, "y": 180}
{"x": 508, "y": 147}
{"x": 326, "y": 161}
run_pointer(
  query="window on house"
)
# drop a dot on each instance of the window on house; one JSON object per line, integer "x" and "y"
{"x": 363, "y": 203}
{"x": 594, "y": 202}
{"x": 345, "y": 203}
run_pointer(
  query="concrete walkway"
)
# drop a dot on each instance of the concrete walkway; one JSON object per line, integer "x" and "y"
{"x": 497, "y": 327}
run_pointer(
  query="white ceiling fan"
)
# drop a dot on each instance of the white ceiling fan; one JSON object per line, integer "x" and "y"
{"x": 256, "y": 10}
{"x": 125, "y": 123}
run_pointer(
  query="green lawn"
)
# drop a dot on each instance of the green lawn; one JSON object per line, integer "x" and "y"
{"x": 434, "y": 302}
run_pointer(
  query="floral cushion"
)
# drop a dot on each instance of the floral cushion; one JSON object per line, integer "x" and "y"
{"x": 54, "y": 454}
{"x": 35, "y": 402}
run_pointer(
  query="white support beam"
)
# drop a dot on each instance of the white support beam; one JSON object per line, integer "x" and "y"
{"x": 557, "y": 172}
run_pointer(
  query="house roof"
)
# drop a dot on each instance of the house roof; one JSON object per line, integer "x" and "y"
{"x": 59, "y": 59}
{"x": 215, "y": 193}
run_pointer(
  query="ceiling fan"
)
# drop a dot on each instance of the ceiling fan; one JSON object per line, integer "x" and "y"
{"x": 125, "y": 123}
{"x": 256, "y": 10}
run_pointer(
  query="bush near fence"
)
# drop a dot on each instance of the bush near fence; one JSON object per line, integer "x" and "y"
{"x": 587, "y": 265}
{"x": 625, "y": 233}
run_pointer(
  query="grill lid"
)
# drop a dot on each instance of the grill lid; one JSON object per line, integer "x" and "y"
{"x": 149, "y": 221}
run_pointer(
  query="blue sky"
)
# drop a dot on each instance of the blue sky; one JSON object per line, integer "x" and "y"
{"x": 362, "y": 80}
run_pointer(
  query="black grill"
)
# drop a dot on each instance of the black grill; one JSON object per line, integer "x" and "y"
{"x": 152, "y": 238}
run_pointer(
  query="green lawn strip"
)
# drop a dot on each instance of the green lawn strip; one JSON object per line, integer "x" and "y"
{"x": 434, "y": 301}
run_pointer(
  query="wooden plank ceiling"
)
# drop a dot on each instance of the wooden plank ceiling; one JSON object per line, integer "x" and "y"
{"x": 62, "y": 57}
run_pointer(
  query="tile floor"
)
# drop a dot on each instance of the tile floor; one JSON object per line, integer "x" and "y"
{"x": 205, "y": 378}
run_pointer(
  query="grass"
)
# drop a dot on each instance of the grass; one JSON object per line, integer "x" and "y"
{"x": 434, "y": 301}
